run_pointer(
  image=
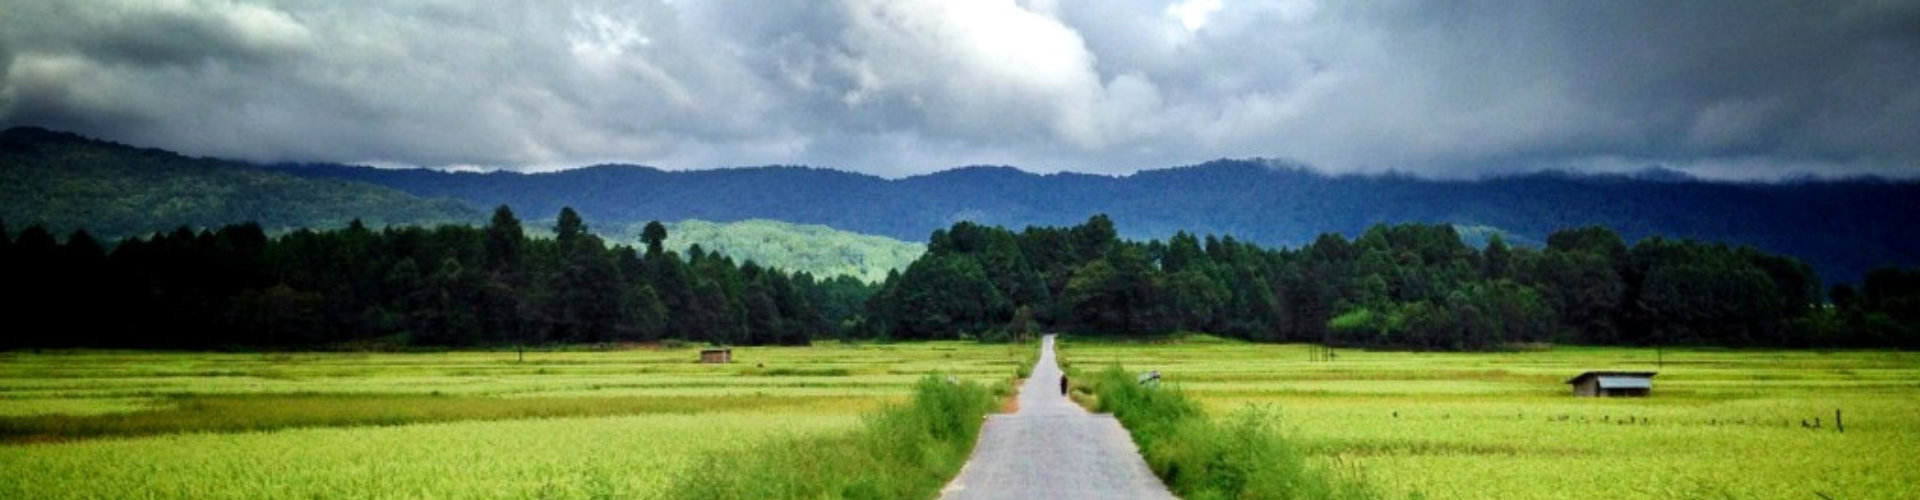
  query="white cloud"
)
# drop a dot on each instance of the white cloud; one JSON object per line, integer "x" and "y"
{"x": 972, "y": 70}
{"x": 1193, "y": 14}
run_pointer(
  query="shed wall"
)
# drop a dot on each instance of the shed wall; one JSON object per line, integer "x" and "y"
{"x": 1588, "y": 387}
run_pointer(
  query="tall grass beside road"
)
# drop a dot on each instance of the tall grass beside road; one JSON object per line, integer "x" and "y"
{"x": 1243, "y": 456}
{"x": 906, "y": 451}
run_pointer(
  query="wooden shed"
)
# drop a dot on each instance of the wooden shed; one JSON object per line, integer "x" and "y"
{"x": 1612, "y": 384}
{"x": 717, "y": 355}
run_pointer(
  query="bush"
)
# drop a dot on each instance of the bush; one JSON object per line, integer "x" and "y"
{"x": 1030, "y": 355}
{"x": 907, "y": 451}
{"x": 1243, "y": 457}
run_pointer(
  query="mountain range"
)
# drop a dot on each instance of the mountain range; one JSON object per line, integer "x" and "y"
{"x": 1842, "y": 227}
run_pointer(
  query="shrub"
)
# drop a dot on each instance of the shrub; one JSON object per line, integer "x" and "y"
{"x": 906, "y": 451}
{"x": 1243, "y": 457}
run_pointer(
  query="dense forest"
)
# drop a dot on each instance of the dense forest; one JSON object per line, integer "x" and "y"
{"x": 360, "y": 288}
{"x": 1403, "y": 286}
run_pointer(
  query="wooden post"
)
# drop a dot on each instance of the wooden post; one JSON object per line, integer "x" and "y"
{"x": 523, "y": 353}
{"x": 1837, "y": 424}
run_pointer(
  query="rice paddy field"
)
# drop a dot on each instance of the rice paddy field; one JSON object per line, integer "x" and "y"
{"x": 590, "y": 424}
{"x": 1719, "y": 423}
{"x": 626, "y": 423}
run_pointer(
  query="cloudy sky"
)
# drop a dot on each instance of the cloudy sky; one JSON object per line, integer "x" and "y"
{"x": 1725, "y": 89}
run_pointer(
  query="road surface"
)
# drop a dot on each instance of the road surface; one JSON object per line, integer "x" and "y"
{"x": 1052, "y": 449}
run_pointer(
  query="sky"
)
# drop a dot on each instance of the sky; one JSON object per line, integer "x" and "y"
{"x": 1732, "y": 89}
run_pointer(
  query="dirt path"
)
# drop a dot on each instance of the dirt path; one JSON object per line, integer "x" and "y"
{"x": 1051, "y": 448}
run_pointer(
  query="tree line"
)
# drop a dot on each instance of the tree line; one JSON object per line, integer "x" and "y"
{"x": 449, "y": 285}
{"x": 1403, "y": 286}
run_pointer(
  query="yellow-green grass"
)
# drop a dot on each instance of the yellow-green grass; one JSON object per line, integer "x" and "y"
{"x": 229, "y": 413}
{"x": 619, "y": 423}
{"x": 883, "y": 369}
{"x": 602, "y": 457}
{"x": 1720, "y": 423}
{"x": 102, "y": 382}
{"x": 906, "y": 451}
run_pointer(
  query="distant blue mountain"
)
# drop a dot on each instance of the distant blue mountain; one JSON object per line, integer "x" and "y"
{"x": 1843, "y": 228}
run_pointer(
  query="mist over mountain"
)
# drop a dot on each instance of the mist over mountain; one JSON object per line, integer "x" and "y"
{"x": 1842, "y": 227}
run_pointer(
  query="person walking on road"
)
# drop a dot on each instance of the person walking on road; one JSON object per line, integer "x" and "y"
{"x": 1063, "y": 384}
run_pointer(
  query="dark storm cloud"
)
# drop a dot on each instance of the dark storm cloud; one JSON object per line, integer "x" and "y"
{"x": 1727, "y": 89}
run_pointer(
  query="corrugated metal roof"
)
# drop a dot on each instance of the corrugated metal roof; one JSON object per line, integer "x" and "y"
{"x": 1583, "y": 376}
{"x": 1625, "y": 383}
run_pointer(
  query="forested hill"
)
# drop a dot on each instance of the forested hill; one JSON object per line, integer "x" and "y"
{"x": 820, "y": 250}
{"x": 65, "y": 182}
{"x": 1843, "y": 228}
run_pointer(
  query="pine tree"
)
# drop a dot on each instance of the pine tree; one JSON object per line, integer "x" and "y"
{"x": 504, "y": 241}
{"x": 655, "y": 236}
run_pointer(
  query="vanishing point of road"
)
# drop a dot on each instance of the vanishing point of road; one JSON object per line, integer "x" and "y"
{"x": 1052, "y": 449}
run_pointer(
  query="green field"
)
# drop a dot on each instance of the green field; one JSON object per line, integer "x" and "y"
{"x": 445, "y": 425}
{"x": 627, "y": 423}
{"x": 1720, "y": 423}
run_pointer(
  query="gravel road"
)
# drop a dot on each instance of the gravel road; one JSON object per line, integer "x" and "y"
{"x": 1051, "y": 448}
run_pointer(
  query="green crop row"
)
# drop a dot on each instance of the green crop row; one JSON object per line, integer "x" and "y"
{"x": 271, "y": 412}
{"x": 595, "y": 457}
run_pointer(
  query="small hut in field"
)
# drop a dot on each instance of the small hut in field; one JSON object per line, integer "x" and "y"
{"x": 1612, "y": 384}
{"x": 716, "y": 355}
